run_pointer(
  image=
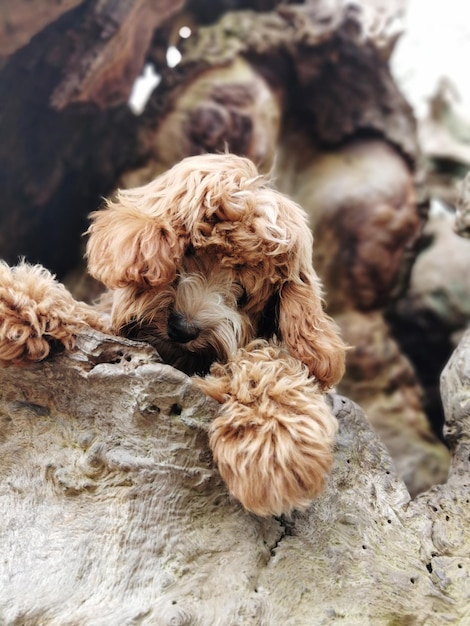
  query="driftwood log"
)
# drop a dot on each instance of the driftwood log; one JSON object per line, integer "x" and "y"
{"x": 112, "y": 512}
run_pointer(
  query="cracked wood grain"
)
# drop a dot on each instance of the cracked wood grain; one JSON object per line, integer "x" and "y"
{"x": 111, "y": 510}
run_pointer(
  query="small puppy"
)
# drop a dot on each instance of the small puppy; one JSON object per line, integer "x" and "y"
{"x": 212, "y": 266}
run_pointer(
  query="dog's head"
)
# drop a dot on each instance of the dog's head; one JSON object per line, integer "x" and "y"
{"x": 207, "y": 257}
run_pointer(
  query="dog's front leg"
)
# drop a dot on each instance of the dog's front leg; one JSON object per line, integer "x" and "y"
{"x": 273, "y": 438}
{"x": 37, "y": 312}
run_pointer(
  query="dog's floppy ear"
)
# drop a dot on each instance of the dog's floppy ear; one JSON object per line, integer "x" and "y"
{"x": 130, "y": 245}
{"x": 309, "y": 333}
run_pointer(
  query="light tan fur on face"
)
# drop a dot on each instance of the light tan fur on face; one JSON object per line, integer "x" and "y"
{"x": 202, "y": 262}
{"x": 207, "y": 302}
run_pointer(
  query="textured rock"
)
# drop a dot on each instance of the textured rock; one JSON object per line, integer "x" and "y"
{"x": 111, "y": 510}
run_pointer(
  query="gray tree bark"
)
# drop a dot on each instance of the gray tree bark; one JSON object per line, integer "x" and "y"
{"x": 112, "y": 512}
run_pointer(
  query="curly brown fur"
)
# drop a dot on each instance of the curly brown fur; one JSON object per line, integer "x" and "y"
{"x": 36, "y": 312}
{"x": 273, "y": 438}
{"x": 200, "y": 262}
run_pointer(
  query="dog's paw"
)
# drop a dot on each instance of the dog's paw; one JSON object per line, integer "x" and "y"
{"x": 35, "y": 313}
{"x": 273, "y": 438}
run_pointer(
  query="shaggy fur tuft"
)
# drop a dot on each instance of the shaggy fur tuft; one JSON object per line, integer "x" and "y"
{"x": 273, "y": 438}
{"x": 36, "y": 312}
{"x": 202, "y": 262}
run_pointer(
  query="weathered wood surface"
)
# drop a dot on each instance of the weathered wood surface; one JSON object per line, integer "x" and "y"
{"x": 111, "y": 510}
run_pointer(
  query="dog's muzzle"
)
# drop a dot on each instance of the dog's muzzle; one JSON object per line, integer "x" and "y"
{"x": 180, "y": 329}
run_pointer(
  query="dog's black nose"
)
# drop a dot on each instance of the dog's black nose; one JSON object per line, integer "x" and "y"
{"x": 180, "y": 329}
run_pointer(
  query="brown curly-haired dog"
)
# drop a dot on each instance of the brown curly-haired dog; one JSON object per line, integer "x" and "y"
{"x": 212, "y": 266}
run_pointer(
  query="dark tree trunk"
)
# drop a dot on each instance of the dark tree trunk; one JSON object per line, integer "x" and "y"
{"x": 66, "y": 131}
